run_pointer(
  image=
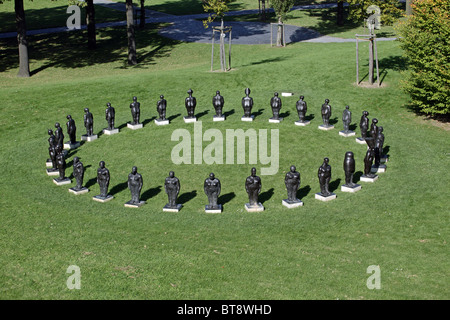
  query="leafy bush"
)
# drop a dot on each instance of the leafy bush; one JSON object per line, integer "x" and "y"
{"x": 425, "y": 38}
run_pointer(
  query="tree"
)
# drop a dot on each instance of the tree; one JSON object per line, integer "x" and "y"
{"x": 425, "y": 38}
{"x": 142, "y": 17}
{"x": 24, "y": 65}
{"x": 132, "y": 60}
{"x": 281, "y": 7}
{"x": 390, "y": 10}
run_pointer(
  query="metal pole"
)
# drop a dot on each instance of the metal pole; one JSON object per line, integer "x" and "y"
{"x": 212, "y": 53}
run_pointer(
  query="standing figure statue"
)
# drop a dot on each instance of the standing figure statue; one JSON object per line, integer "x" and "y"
{"x": 247, "y": 103}
{"x": 172, "y": 188}
{"x": 52, "y": 151}
{"x": 190, "y": 103}
{"x": 218, "y": 102}
{"x": 135, "y": 183}
{"x": 71, "y": 129}
{"x": 103, "y": 178}
{"x": 110, "y": 115}
{"x": 364, "y": 124}
{"x": 346, "y": 119}
{"x": 374, "y": 128}
{"x": 275, "y": 103}
{"x": 59, "y": 135}
{"x": 61, "y": 164}
{"x": 349, "y": 169}
{"x": 368, "y": 159}
{"x": 324, "y": 174}
{"x": 253, "y": 188}
{"x": 78, "y": 174}
{"x": 135, "y": 107}
{"x": 326, "y": 113}
{"x": 301, "y": 109}
{"x": 292, "y": 182}
{"x": 161, "y": 106}
{"x": 212, "y": 190}
{"x": 379, "y": 142}
{"x": 88, "y": 122}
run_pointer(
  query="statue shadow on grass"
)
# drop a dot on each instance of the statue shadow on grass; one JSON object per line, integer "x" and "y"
{"x": 150, "y": 193}
{"x": 187, "y": 196}
{"x": 357, "y": 176}
{"x": 303, "y": 192}
{"x": 226, "y": 198}
{"x": 90, "y": 182}
{"x": 266, "y": 195}
{"x": 258, "y": 113}
{"x": 118, "y": 188}
{"x": 309, "y": 117}
{"x": 172, "y": 117}
{"x": 353, "y": 127}
{"x": 334, "y": 121}
{"x": 147, "y": 121}
{"x": 201, "y": 114}
{"x": 285, "y": 114}
{"x": 334, "y": 184}
{"x": 229, "y": 113}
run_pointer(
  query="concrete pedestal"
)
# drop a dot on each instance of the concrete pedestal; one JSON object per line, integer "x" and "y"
{"x": 353, "y": 189}
{"x": 80, "y": 191}
{"x": 378, "y": 169}
{"x": 102, "y": 199}
{"x": 320, "y": 197}
{"x": 368, "y": 179}
{"x": 302, "y": 123}
{"x": 189, "y": 119}
{"x": 110, "y": 132}
{"x": 216, "y": 118}
{"x": 52, "y": 172}
{"x": 135, "y": 126}
{"x": 61, "y": 182}
{"x": 290, "y": 204}
{"x": 255, "y": 208}
{"x": 361, "y": 141}
{"x": 347, "y": 134}
{"x": 326, "y": 128}
{"x": 248, "y": 119}
{"x": 271, "y": 120}
{"x": 162, "y": 122}
{"x": 129, "y": 204}
{"x": 87, "y": 138}
{"x": 169, "y": 209}
{"x": 217, "y": 209}
{"x": 70, "y": 146}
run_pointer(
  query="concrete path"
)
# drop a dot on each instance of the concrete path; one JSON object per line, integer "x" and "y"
{"x": 189, "y": 28}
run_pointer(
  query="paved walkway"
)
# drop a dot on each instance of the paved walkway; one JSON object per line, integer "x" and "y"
{"x": 189, "y": 28}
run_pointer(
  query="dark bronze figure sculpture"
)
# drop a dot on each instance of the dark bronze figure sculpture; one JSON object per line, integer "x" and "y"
{"x": 374, "y": 128}
{"x": 253, "y": 188}
{"x": 78, "y": 173}
{"x": 59, "y": 136}
{"x": 212, "y": 190}
{"x": 326, "y": 113}
{"x": 52, "y": 151}
{"x": 324, "y": 174}
{"x": 172, "y": 188}
{"x": 218, "y": 102}
{"x": 135, "y": 183}
{"x": 349, "y": 169}
{"x": 292, "y": 182}
{"x": 368, "y": 159}
{"x": 247, "y": 103}
{"x": 88, "y": 122}
{"x": 103, "y": 178}
{"x": 71, "y": 129}
{"x": 61, "y": 164}
{"x": 301, "y": 109}
{"x": 110, "y": 115}
{"x": 190, "y": 103}
{"x": 364, "y": 124}
{"x": 161, "y": 107}
{"x": 135, "y": 107}
{"x": 276, "y": 104}
{"x": 346, "y": 119}
{"x": 379, "y": 142}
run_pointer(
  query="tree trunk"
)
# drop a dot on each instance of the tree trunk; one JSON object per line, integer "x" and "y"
{"x": 132, "y": 60}
{"x": 340, "y": 13}
{"x": 371, "y": 61}
{"x": 408, "y": 7}
{"x": 280, "y": 33}
{"x": 24, "y": 66}
{"x": 90, "y": 22}
{"x": 142, "y": 20}
{"x": 222, "y": 47}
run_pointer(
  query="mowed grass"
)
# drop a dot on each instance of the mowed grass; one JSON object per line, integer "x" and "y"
{"x": 319, "y": 251}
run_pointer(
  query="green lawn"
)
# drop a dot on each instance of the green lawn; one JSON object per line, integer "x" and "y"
{"x": 319, "y": 251}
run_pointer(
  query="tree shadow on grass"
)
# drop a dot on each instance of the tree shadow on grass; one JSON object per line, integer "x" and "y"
{"x": 68, "y": 50}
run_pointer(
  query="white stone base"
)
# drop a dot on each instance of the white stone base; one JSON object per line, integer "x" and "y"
{"x": 361, "y": 141}
{"x": 320, "y": 197}
{"x": 101, "y": 199}
{"x": 302, "y": 124}
{"x": 214, "y": 210}
{"x": 110, "y": 132}
{"x": 51, "y": 172}
{"x": 357, "y": 187}
{"x": 368, "y": 179}
{"x": 189, "y": 120}
{"x": 77, "y": 192}
{"x": 215, "y": 118}
{"x": 347, "y": 134}
{"x": 135, "y": 126}
{"x": 62, "y": 182}
{"x": 134, "y": 205}
{"x": 177, "y": 209}
{"x": 162, "y": 122}
{"x": 287, "y": 94}
{"x": 291, "y": 205}
{"x": 70, "y": 146}
{"x": 89, "y": 138}
{"x": 380, "y": 168}
{"x": 48, "y": 164}
{"x": 326, "y": 128}
{"x": 275, "y": 120}
{"x": 248, "y": 119}
{"x": 256, "y": 208}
